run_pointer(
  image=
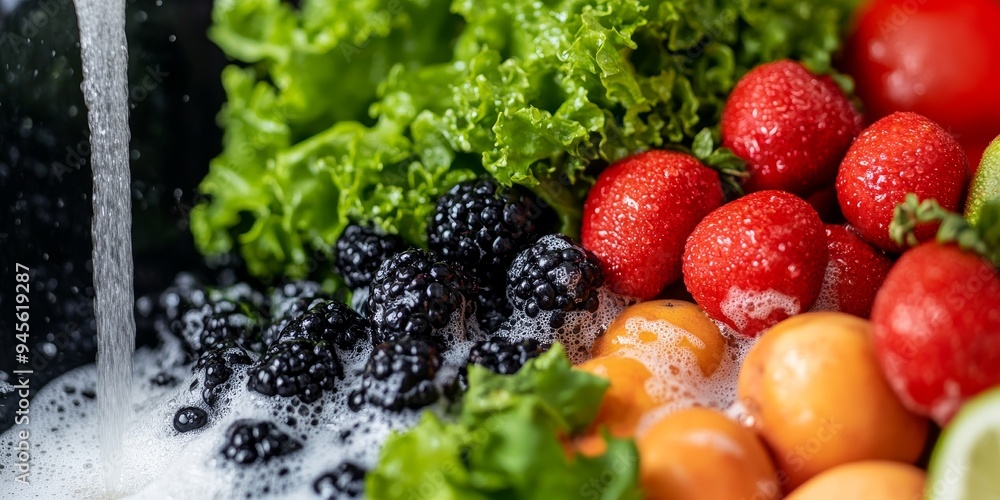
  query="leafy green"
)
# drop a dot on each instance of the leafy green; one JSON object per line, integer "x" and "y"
{"x": 503, "y": 442}
{"x": 348, "y": 110}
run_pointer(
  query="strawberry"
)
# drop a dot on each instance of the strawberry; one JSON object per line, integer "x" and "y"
{"x": 899, "y": 154}
{"x": 791, "y": 127}
{"x": 825, "y": 203}
{"x": 639, "y": 213}
{"x": 937, "y": 328}
{"x": 854, "y": 273}
{"x": 937, "y": 316}
{"x": 757, "y": 260}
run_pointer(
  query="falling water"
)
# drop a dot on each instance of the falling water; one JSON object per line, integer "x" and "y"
{"x": 105, "y": 88}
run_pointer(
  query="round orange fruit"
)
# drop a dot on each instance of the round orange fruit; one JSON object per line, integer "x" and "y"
{"x": 870, "y": 480}
{"x": 812, "y": 387}
{"x": 657, "y": 329}
{"x": 701, "y": 453}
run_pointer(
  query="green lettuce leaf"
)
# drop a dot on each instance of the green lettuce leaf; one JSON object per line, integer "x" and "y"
{"x": 368, "y": 110}
{"x": 504, "y": 442}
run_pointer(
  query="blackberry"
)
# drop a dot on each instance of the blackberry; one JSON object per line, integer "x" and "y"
{"x": 252, "y": 441}
{"x": 360, "y": 251}
{"x": 505, "y": 357}
{"x": 163, "y": 379}
{"x": 296, "y": 367}
{"x": 241, "y": 293}
{"x": 288, "y": 302}
{"x": 190, "y": 418}
{"x": 328, "y": 321}
{"x": 184, "y": 294}
{"x": 347, "y": 480}
{"x": 217, "y": 365}
{"x": 492, "y": 308}
{"x": 218, "y": 322}
{"x": 554, "y": 274}
{"x": 414, "y": 293}
{"x": 483, "y": 225}
{"x": 399, "y": 375}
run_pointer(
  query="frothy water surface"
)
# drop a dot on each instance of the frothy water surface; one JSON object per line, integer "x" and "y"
{"x": 105, "y": 89}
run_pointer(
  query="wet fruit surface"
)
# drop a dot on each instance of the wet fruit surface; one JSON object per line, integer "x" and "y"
{"x": 701, "y": 453}
{"x": 855, "y": 272}
{"x": 627, "y": 398}
{"x": 666, "y": 330}
{"x": 792, "y": 127}
{"x": 813, "y": 389}
{"x": 936, "y": 322}
{"x": 899, "y": 154}
{"x": 639, "y": 213}
{"x": 757, "y": 260}
{"x": 870, "y": 480}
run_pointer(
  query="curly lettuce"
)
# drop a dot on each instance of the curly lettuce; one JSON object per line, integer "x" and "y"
{"x": 349, "y": 110}
{"x": 504, "y": 441}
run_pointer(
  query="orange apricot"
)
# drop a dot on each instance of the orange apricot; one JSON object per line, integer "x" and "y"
{"x": 701, "y": 453}
{"x": 812, "y": 387}
{"x": 626, "y": 399}
{"x": 664, "y": 326}
{"x": 869, "y": 479}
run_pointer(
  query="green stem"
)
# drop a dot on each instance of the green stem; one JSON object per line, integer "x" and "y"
{"x": 983, "y": 238}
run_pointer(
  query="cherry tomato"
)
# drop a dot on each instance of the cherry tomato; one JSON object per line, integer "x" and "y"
{"x": 939, "y": 58}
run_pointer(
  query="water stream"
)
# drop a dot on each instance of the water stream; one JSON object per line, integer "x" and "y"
{"x": 105, "y": 88}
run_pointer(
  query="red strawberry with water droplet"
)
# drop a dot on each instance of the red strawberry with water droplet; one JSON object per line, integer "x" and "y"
{"x": 937, "y": 328}
{"x": 854, "y": 273}
{"x": 936, "y": 318}
{"x": 791, "y": 126}
{"x": 639, "y": 214}
{"x": 757, "y": 260}
{"x": 899, "y": 154}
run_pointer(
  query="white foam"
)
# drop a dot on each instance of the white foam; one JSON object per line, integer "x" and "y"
{"x": 677, "y": 380}
{"x": 740, "y": 306}
{"x": 828, "y": 299}
{"x": 160, "y": 462}
{"x": 578, "y": 331}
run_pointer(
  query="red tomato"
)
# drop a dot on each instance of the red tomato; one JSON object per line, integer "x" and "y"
{"x": 939, "y": 58}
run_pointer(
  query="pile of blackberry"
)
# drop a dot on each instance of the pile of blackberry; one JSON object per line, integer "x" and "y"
{"x": 483, "y": 226}
{"x": 399, "y": 350}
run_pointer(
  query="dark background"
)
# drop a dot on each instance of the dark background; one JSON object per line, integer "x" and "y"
{"x": 45, "y": 176}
